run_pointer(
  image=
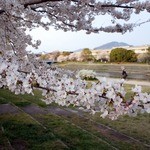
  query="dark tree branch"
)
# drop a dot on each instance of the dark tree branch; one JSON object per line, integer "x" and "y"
{"x": 117, "y": 6}
{"x": 33, "y": 2}
{"x": 2, "y": 11}
{"x": 43, "y": 1}
{"x": 113, "y": 6}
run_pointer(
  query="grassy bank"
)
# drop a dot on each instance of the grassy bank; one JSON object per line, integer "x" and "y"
{"x": 64, "y": 132}
{"x": 129, "y": 93}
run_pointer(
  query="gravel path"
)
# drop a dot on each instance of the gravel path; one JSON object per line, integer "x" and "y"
{"x": 130, "y": 81}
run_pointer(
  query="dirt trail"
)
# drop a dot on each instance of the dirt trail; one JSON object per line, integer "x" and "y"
{"x": 128, "y": 81}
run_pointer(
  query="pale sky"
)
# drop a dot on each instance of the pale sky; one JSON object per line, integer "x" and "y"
{"x": 69, "y": 41}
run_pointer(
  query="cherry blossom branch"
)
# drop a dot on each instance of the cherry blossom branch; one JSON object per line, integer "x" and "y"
{"x": 2, "y": 11}
{"x": 43, "y": 1}
{"x": 33, "y": 2}
{"x": 27, "y": 3}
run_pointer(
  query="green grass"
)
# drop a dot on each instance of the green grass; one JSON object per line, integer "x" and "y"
{"x": 3, "y": 140}
{"x": 137, "y": 127}
{"x": 7, "y": 96}
{"x": 129, "y": 93}
{"x": 73, "y": 136}
{"x": 21, "y": 130}
{"x": 93, "y": 127}
{"x": 77, "y": 133}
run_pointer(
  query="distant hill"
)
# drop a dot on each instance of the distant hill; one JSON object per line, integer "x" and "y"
{"x": 78, "y": 50}
{"x": 111, "y": 45}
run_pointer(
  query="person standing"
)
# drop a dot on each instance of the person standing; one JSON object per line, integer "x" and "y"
{"x": 124, "y": 73}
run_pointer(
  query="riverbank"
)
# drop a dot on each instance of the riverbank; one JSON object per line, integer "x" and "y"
{"x": 135, "y": 71}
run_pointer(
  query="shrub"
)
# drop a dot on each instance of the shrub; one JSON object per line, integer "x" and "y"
{"x": 122, "y": 55}
{"x": 87, "y": 74}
